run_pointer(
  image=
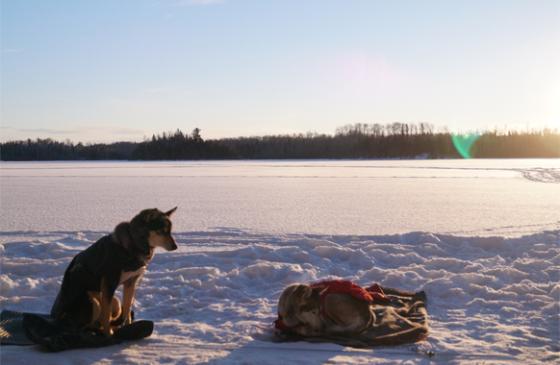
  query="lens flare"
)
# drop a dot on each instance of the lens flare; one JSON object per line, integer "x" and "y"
{"x": 463, "y": 143}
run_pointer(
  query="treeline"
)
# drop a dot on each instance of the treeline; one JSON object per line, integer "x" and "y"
{"x": 395, "y": 140}
{"x": 49, "y": 150}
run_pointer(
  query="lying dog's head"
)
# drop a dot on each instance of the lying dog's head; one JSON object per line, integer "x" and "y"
{"x": 299, "y": 305}
{"x": 149, "y": 229}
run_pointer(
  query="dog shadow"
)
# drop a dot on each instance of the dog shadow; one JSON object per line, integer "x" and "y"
{"x": 115, "y": 353}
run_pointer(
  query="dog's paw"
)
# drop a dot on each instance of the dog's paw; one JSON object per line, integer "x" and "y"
{"x": 107, "y": 332}
{"x": 123, "y": 320}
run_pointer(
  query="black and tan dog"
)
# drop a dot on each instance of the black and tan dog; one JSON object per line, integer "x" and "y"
{"x": 86, "y": 298}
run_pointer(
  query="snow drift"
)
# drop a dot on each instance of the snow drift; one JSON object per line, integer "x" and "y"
{"x": 214, "y": 300}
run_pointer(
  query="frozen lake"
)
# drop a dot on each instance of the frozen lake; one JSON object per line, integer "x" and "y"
{"x": 247, "y": 229}
{"x": 469, "y": 197}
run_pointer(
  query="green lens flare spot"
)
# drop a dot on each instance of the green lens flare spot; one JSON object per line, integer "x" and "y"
{"x": 463, "y": 143}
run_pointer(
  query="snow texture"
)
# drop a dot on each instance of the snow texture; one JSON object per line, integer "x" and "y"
{"x": 214, "y": 299}
{"x": 490, "y": 266}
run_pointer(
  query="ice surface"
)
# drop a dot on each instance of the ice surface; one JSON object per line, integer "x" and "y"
{"x": 481, "y": 237}
{"x": 468, "y": 197}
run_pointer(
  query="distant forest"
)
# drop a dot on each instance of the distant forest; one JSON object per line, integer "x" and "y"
{"x": 353, "y": 141}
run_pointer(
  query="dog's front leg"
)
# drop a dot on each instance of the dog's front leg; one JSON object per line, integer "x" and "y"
{"x": 106, "y": 308}
{"x": 129, "y": 288}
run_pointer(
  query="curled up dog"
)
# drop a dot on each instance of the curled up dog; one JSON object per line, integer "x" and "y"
{"x": 343, "y": 312}
{"x": 87, "y": 295}
{"x": 310, "y": 310}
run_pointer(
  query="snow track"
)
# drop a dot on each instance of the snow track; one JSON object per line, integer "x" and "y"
{"x": 542, "y": 175}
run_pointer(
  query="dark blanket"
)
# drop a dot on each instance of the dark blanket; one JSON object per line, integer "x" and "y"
{"x": 20, "y": 328}
{"x": 11, "y": 329}
{"x": 400, "y": 319}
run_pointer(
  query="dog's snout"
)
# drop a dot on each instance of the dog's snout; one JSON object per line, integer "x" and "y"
{"x": 171, "y": 245}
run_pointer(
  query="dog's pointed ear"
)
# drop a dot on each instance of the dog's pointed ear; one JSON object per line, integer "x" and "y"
{"x": 317, "y": 291}
{"x": 122, "y": 234}
{"x": 170, "y": 212}
{"x": 303, "y": 291}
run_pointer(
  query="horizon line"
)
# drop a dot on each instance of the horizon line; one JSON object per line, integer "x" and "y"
{"x": 434, "y": 130}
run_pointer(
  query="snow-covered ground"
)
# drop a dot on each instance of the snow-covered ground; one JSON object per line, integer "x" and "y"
{"x": 481, "y": 237}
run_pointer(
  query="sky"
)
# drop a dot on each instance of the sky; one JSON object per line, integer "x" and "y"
{"x": 101, "y": 71}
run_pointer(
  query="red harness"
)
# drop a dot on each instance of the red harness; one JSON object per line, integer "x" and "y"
{"x": 371, "y": 294}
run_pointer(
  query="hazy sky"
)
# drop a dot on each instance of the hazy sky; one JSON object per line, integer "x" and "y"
{"x": 122, "y": 70}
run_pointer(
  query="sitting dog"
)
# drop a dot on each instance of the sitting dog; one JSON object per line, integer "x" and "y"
{"x": 86, "y": 297}
{"x": 343, "y": 312}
